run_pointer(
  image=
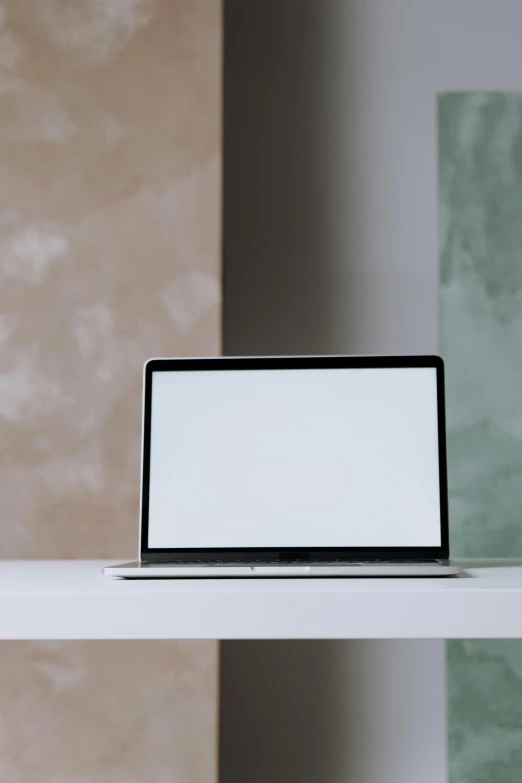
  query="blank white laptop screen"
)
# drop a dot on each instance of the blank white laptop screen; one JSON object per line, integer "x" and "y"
{"x": 294, "y": 458}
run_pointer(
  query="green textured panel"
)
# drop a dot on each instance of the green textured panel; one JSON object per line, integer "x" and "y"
{"x": 480, "y": 202}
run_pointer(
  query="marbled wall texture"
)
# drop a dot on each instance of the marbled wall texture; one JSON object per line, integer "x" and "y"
{"x": 480, "y": 156}
{"x": 109, "y": 254}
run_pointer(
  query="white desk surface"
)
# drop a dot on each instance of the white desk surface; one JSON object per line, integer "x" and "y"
{"x": 73, "y": 600}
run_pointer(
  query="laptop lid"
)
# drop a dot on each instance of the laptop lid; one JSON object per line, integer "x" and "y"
{"x": 294, "y": 459}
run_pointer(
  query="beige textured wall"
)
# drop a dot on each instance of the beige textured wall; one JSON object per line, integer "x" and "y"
{"x": 109, "y": 254}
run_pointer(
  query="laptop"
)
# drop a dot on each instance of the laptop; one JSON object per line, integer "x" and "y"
{"x": 293, "y": 467}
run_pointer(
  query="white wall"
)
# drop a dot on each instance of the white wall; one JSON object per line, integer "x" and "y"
{"x": 330, "y": 163}
{"x": 333, "y": 712}
{"x": 331, "y": 239}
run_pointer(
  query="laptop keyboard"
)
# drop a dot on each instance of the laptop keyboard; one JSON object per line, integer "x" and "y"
{"x": 255, "y": 561}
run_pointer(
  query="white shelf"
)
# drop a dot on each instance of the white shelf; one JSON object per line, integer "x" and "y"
{"x": 72, "y": 600}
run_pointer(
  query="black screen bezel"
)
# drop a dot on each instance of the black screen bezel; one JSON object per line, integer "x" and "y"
{"x": 302, "y": 554}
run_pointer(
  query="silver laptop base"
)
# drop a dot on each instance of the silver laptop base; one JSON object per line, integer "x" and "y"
{"x": 136, "y": 570}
